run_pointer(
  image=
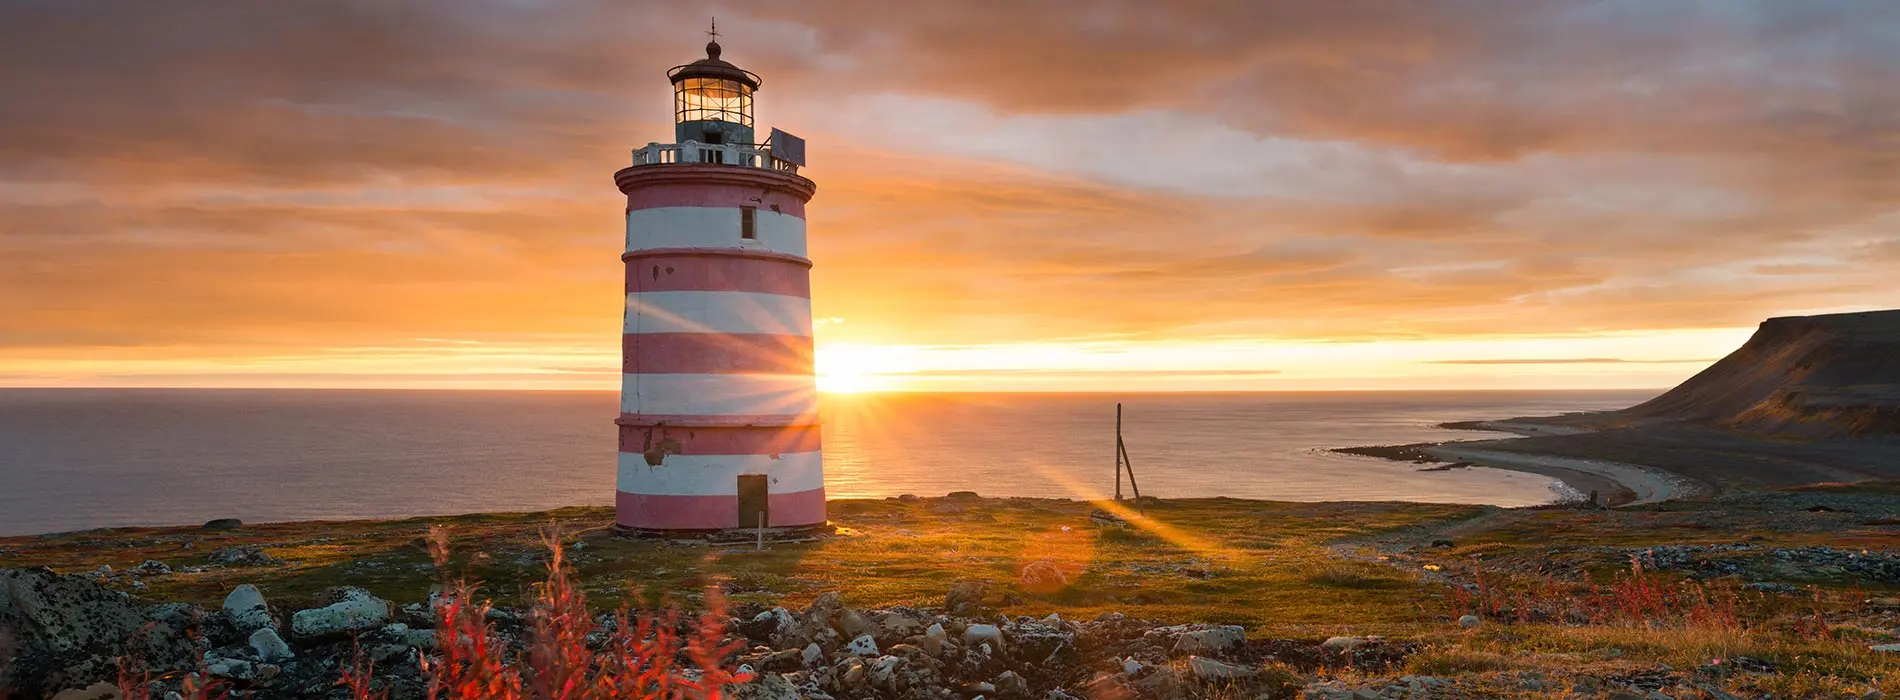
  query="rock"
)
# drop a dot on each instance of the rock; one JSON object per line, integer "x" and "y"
{"x": 224, "y": 524}
{"x": 246, "y": 609}
{"x": 1208, "y": 669}
{"x": 765, "y": 686}
{"x": 883, "y": 671}
{"x": 863, "y": 645}
{"x": 1011, "y": 685}
{"x": 1886, "y": 648}
{"x": 983, "y": 634}
{"x": 964, "y": 597}
{"x": 1131, "y": 667}
{"x": 176, "y": 614}
{"x": 152, "y": 567}
{"x": 1443, "y": 544}
{"x": 67, "y": 625}
{"x": 242, "y": 555}
{"x": 1102, "y": 517}
{"x": 271, "y": 647}
{"x": 1212, "y": 640}
{"x": 963, "y": 496}
{"x": 1344, "y": 643}
{"x": 934, "y": 639}
{"x": 896, "y": 626}
{"x": 1039, "y": 641}
{"x": 1469, "y": 621}
{"x": 97, "y": 691}
{"x": 238, "y": 669}
{"x": 357, "y": 611}
{"x": 853, "y": 624}
{"x": 812, "y": 655}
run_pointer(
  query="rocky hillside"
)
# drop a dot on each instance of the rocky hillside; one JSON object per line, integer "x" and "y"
{"x": 1828, "y": 376}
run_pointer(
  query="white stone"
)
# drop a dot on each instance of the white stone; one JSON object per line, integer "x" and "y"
{"x": 1343, "y": 642}
{"x": 246, "y": 609}
{"x": 1130, "y": 666}
{"x": 884, "y": 670}
{"x": 934, "y": 639}
{"x": 976, "y": 634}
{"x": 1469, "y": 621}
{"x": 1210, "y": 640}
{"x": 813, "y": 654}
{"x": 271, "y": 647}
{"x": 359, "y": 612}
{"x": 1886, "y": 648}
{"x": 863, "y": 645}
{"x": 1208, "y": 669}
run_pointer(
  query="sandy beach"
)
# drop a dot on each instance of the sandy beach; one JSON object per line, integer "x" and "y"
{"x": 1616, "y": 482}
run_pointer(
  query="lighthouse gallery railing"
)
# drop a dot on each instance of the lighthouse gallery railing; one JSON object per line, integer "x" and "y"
{"x": 744, "y": 155}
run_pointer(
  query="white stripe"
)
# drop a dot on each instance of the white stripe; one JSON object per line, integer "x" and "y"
{"x": 719, "y": 394}
{"x": 717, "y": 312}
{"x": 717, "y": 475}
{"x": 713, "y": 227}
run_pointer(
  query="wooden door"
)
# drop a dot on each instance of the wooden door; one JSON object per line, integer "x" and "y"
{"x": 753, "y": 505}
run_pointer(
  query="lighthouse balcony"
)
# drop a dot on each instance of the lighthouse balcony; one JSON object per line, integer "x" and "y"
{"x": 694, "y": 152}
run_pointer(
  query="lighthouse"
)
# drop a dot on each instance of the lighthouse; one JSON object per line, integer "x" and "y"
{"x": 718, "y": 423}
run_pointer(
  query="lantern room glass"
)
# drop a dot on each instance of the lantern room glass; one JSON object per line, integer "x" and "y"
{"x": 713, "y": 100}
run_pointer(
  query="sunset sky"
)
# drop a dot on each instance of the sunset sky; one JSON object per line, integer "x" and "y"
{"x": 1208, "y": 194}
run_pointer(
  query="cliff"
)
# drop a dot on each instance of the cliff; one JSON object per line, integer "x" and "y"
{"x": 1827, "y": 376}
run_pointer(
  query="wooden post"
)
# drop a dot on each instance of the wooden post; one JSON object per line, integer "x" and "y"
{"x": 1123, "y": 449}
{"x": 761, "y": 546}
{"x": 1118, "y": 452}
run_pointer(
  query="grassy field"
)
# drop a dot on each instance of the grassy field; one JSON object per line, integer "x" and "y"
{"x": 1554, "y": 586}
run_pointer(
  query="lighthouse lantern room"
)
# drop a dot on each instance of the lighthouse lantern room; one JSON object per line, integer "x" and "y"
{"x": 718, "y": 425}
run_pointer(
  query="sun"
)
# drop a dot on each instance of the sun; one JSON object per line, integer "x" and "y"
{"x": 854, "y": 369}
{"x": 849, "y": 382}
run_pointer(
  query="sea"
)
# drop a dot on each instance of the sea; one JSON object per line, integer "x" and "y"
{"x": 73, "y": 459}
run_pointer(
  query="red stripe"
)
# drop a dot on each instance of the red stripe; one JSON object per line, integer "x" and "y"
{"x": 715, "y": 353}
{"x": 719, "y": 272}
{"x": 724, "y": 440}
{"x": 651, "y": 187}
{"x": 649, "y": 512}
{"x": 717, "y": 421}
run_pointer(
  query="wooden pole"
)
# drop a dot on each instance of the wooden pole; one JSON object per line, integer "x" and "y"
{"x": 1118, "y": 452}
{"x": 1123, "y": 448}
{"x": 761, "y": 546}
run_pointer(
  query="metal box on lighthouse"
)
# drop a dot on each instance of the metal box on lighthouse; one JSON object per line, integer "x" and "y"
{"x": 718, "y": 406}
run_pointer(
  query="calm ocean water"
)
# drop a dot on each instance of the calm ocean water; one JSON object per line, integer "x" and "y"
{"x": 83, "y": 458}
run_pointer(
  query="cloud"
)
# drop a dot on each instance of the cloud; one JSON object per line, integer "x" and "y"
{"x": 222, "y": 179}
{"x": 1562, "y": 361}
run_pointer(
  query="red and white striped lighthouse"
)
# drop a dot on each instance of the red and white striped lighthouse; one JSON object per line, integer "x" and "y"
{"x": 718, "y": 405}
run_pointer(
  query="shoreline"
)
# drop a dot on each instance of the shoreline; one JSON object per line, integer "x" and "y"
{"x": 1616, "y": 484}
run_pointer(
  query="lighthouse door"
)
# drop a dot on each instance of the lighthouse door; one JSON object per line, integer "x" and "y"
{"x": 753, "y": 507}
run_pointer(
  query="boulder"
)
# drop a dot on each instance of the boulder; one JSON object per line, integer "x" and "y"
{"x": 66, "y": 630}
{"x": 983, "y": 634}
{"x": 97, "y": 691}
{"x": 152, "y": 567}
{"x": 964, "y": 597}
{"x": 270, "y": 647}
{"x": 242, "y": 555}
{"x": 934, "y": 639}
{"x": 765, "y": 686}
{"x": 355, "y": 610}
{"x": 1344, "y": 643}
{"x": 1469, "y": 621}
{"x": 853, "y": 624}
{"x": 1213, "y": 640}
{"x": 246, "y": 609}
{"x": 863, "y": 645}
{"x": 1208, "y": 670}
{"x": 224, "y": 524}
{"x": 1011, "y": 685}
